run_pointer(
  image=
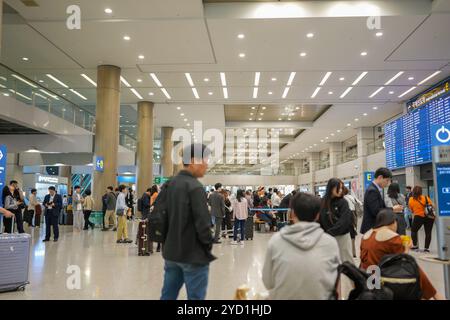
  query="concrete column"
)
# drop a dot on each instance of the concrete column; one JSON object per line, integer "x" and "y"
{"x": 107, "y": 119}
{"x": 335, "y": 156}
{"x": 166, "y": 152}
{"x": 313, "y": 158}
{"x": 144, "y": 158}
{"x": 297, "y": 164}
{"x": 66, "y": 172}
{"x": 364, "y": 136}
{"x": 413, "y": 177}
{"x": 14, "y": 171}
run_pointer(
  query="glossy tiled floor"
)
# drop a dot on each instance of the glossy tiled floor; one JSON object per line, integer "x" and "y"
{"x": 113, "y": 271}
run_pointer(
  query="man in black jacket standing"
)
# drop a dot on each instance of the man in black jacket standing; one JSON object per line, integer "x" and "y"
{"x": 188, "y": 244}
{"x": 53, "y": 205}
{"x": 374, "y": 198}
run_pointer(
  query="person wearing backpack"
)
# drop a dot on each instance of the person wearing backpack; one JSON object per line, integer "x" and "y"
{"x": 422, "y": 210}
{"x": 188, "y": 241}
{"x": 383, "y": 240}
{"x": 353, "y": 204}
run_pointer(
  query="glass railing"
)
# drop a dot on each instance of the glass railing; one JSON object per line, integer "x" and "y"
{"x": 304, "y": 170}
{"x": 375, "y": 146}
{"x": 324, "y": 163}
{"x": 17, "y": 86}
{"x": 347, "y": 156}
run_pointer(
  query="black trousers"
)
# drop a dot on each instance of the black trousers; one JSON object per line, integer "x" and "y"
{"x": 87, "y": 223}
{"x": 18, "y": 219}
{"x": 51, "y": 221}
{"x": 226, "y": 222}
{"x": 418, "y": 222}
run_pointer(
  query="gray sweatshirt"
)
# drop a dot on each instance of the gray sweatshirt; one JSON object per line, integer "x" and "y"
{"x": 301, "y": 263}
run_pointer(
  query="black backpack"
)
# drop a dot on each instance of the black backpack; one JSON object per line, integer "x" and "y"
{"x": 158, "y": 217}
{"x": 361, "y": 290}
{"x": 139, "y": 204}
{"x": 400, "y": 273}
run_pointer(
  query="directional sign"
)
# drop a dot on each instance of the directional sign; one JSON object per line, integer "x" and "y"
{"x": 99, "y": 164}
{"x": 2, "y": 168}
{"x": 440, "y": 135}
{"x": 443, "y": 188}
{"x": 368, "y": 178}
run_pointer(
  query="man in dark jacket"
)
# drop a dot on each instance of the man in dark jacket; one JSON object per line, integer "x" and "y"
{"x": 53, "y": 205}
{"x": 146, "y": 203}
{"x": 217, "y": 203}
{"x": 188, "y": 244}
{"x": 374, "y": 198}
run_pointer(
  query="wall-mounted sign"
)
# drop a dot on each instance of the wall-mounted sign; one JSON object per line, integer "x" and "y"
{"x": 429, "y": 95}
{"x": 47, "y": 179}
{"x": 160, "y": 180}
{"x": 440, "y": 135}
{"x": 99, "y": 164}
{"x": 2, "y": 168}
{"x": 368, "y": 178}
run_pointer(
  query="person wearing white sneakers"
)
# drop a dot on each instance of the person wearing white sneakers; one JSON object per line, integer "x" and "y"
{"x": 240, "y": 214}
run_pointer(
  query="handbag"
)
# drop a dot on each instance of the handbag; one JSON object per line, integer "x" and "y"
{"x": 120, "y": 212}
{"x": 429, "y": 210}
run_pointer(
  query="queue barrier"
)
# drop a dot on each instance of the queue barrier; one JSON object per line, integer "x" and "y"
{"x": 96, "y": 218}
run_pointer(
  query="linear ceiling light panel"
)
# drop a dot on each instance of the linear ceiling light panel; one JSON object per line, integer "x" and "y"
{"x": 189, "y": 79}
{"x": 257, "y": 74}
{"x": 225, "y": 93}
{"x": 315, "y": 92}
{"x": 19, "y": 94}
{"x": 325, "y": 78}
{"x": 194, "y": 90}
{"x": 136, "y": 93}
{"x": 291, "y": 78}
{"x": 346, "y": 92}
{"x": 125, "y": 82}
{"x": 362, "y": 75}
{"x": 166, "y": 93}
{"x": 155, "y": 78}
{"x": 428, "y": 78}
{"x": 49, "y": 94}
{"x": 89, "y": 79}
{"x": 255, "y": 93}
{"x": 285, "y": 92}
{"x": 376, "y": 92}
{"x": 57, "y": 81}
{"x": 223, "y": 79}
{"x": 24, "y": 80}
{"x": 393, "y": 78}
{"x": 78, "y": 94}
{"x": 406, "y": 92}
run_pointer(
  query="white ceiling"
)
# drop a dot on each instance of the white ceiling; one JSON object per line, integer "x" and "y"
{"x": 178, "y": 36}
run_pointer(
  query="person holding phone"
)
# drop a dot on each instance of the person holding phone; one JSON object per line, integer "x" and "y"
{"x": 53, "y": 205}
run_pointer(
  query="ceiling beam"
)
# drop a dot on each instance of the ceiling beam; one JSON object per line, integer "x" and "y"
{"x": 269, "y": 124}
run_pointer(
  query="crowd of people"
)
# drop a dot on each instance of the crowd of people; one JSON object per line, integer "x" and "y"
{"x": 312, "y": 235}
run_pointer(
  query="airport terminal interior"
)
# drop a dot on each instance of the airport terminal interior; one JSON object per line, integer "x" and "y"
{"x": 288, "y": 96}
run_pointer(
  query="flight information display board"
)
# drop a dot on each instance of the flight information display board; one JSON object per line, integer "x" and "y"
{"x": 408, "y": 139}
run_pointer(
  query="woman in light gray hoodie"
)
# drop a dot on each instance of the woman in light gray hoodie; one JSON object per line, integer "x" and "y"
{"x": 302, "y": 260}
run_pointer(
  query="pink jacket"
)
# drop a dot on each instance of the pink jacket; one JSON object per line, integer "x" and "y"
{"x": 240, "y": 209}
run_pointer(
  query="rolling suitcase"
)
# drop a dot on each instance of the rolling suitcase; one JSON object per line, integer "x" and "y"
{"x": 14, "y": 259}
{"x": 249, "y": 228}
{"x": 142, "y": 238}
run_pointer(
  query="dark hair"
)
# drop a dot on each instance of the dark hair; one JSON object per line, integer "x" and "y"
{"x": 305, "y": 206}
{"x": 332, "y": 184}
{"x": 294, "y": 192}
{"x": 13, "y": 182}
{"x": 417, "y": 192}
{"x": 217, "y": 186}
{"x": 345, "y": 190}
{"x": 240, "y": 195}
{"x": 408, "y": 187}
{"x": 116, "y": 189}
{"x": 77, "y": 187}
{"x": 88, "y": 192}
{"x": 270, "y": 189}
{"x": 385, "y": 217}
{"x": 194, "y": 151}
{"x": 153, "y": 189}
{"x": 275, "y": 190}
{"x": 52, "y": 188}
{"x": 393, "y": 190}
{"x": 385, "y": 172}
{"x": 248, "y": 192}
{"x": 110, "y": 188}
{"x": 122, "y": 187}
{"x": 33, "y": 190}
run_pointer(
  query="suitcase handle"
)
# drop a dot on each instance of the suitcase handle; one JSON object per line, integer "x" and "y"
{"x": 12, "y": 225}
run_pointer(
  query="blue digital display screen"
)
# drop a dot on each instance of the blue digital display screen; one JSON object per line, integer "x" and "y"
{"x": 408, "y": 139}
{"x": 443, "y": 188}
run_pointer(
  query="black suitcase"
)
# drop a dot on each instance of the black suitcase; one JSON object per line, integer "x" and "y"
{"x": 249, "y": 228}
{"x": 142, "y": 238}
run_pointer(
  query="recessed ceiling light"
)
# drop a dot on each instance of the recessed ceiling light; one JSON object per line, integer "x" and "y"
{"x": 125, "y": 82}
{"x": 406, "y": 92}
{"x": 349, "y": 124}
{"x": 310, "y": 35}
{"x": 206, "y": 80}
{"x": 210, "y": 93}
{"x": 253, "y": 108}
{"x": 25, "y": 59}
{"x": 274, "y": 79}
{"x": 259, "y": 119}
{"x": 280, "y": 119}
{"x": 297, "y": 108}
{"x": 139, "y": 80}
{"x": 155, "y": 78}
{"x": 182, "y": 114}
{"x": 315, "y": 92}
{"x": 356, "y": 119}
{"x": 330, "y": 92}
{"x": 321, "y": 140}
{"x": 261, "y": 113}
{"x": 364, "y": 53}
{"x": 364, "y": 114}
{"x": 338, "y": 131}
{"x": 289, "y": 119}
{"x": 341, "y": 79}
{"x": 379, "y": 34}
{"x": 362, "y": 75}
{"x": 164, "y": 91}
{"x": 391, "y": 92}
{"x": 241, "y": 36}
{"x": 151, "y": 94}
{"x": 376, "y": 92}
{"x": 142, "y": 57}
{"x": 375, "y": 108}
{"x": 303, "y": 54}
{"x": 127, "y": 38}
{"x": 250, "y": 119}
{"x": 178, "y": 108}
{"x": 264, "y": 108}
{"x": 291, "y": 78}
{"x": 184, "y": 119}
{"x": 6, "y": 94}
{"x": 285, "y": 92}
{"x": 108, "y": 10}
{"x": 411, "y": 78}
{"x": 89, "y": 80}
{"x": 241, "y": 55}
{"x": 346, "y": 92}
{"x": 270, "y": 93}
{"x": 332, "y": 134}
{"x": 326, "y": 138}
{"x": 41, "y": 81}
{"x": 429, "y": 77}
{"x": 225, "y": 93}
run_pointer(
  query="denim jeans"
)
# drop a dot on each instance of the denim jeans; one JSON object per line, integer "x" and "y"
{"x": 239, "y": 224}
{"x": 194, "y": 276}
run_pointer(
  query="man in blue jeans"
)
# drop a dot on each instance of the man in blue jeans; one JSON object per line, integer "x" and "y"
{"x": 188, "y": 244}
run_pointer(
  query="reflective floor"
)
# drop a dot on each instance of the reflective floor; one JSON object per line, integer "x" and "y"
{"x": 115, "y": 271}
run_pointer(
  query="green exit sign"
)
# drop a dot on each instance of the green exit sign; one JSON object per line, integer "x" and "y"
{"x": 160, "y": 180}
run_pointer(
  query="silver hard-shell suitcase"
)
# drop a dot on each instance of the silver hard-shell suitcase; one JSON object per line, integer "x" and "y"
{"x": 14, "y": 260}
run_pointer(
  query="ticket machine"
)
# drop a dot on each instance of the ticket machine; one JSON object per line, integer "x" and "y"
{"x": 440, "y": 135}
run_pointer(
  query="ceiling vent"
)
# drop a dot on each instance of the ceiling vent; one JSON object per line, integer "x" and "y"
{"x": 30, "y": 3}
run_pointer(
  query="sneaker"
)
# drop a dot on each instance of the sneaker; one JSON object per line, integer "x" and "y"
{"x": 105, "y": 229}
{"x": 217, "y": 242}
{"x": 241, "y": 243}
{"x": 415, "y": 248}
{"x": 119, "y": 241}
{"x": 426, "y": 250}
{"x": 55, "y": 240}
{"x": 128, "y": 241}
{"x": 45, "y": 240}
{"x": 234, "y": 242}
{"x": 114, "y": 229}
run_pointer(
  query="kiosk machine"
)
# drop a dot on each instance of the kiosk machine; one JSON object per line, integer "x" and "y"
{"x": 440, "y": 136}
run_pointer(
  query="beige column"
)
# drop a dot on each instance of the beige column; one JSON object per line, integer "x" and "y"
{"x": 66, "y": 172}
{"x": 107, "y": 117}
{"x": 166, "y": 152}
{"x": 144, "y": 157}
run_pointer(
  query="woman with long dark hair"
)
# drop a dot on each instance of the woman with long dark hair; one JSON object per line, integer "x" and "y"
{"x": 417, "y": 204}
{"x": 240, "y": 214}
{"x": 396, "y": 198}
{"x": 336, "y": 218}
